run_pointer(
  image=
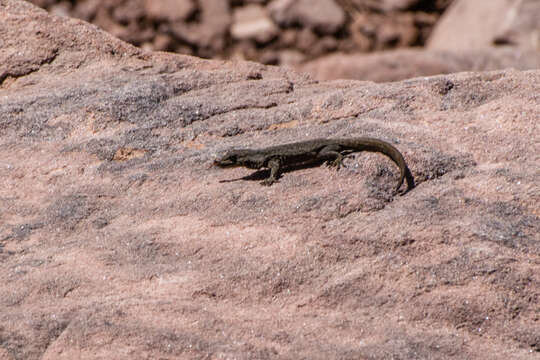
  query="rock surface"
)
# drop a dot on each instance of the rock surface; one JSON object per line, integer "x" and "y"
{"x": 324, "y": 16}
{"x": 117, "y": 240}
{"x": 207, "y": 34}
{"x": 522, "y": 29}
{"x": 169, "y": 10}
{"x": 408, "y": 63}
{"x": 386, "y": 5}
{"x": 473, "y": 25}
{"x": 253, "y": 22}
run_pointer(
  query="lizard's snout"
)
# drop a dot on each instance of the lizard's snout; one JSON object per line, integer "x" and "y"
{"x": 222, "y": 163}
{"x": 226, "y": 161}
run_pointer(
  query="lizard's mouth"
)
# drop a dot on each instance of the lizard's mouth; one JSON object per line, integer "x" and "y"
{"x": 227, "y": 160}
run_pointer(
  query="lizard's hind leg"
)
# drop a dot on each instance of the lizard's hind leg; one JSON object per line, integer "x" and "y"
{"x": 275, "y": 171}
{"x": 332, "y": 156}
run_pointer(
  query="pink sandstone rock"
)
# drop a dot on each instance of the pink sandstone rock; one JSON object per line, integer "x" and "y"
{"x": 118, "y": 240}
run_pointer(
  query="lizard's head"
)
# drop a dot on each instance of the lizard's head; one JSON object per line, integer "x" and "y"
{"x": 229, "y": 159}
{"x": 234, "y": 158}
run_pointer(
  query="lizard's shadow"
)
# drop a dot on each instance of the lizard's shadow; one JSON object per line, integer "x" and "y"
{"x": 265, "y": 173}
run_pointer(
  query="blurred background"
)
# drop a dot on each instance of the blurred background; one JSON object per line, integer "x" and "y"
{"x": 377, "y": 40}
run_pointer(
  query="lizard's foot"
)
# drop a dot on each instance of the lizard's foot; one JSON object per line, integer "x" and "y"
{"x": 268, "y": 182}
{"x": 337, "y": 163}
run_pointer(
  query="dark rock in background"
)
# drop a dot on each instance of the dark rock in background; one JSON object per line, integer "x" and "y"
{"x": 222, "y": 29}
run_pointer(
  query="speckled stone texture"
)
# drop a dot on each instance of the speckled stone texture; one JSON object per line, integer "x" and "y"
{"x": 118, "y": 240}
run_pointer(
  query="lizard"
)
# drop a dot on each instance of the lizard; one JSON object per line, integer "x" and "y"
{"x": 316, "y": 151}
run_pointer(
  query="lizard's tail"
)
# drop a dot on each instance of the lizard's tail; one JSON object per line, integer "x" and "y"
{"x": 376, "y": 145}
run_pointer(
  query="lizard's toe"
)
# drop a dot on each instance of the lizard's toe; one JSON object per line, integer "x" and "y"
{"x": 267, "y": 182}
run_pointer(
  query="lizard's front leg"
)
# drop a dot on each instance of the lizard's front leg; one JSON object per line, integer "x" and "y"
{"x": 332, "y": 156}
{"x": 275, "y": 169}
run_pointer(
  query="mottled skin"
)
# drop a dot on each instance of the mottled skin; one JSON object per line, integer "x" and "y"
{"x": 312, "y": 151}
